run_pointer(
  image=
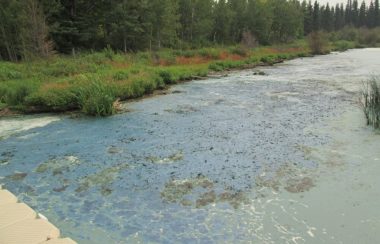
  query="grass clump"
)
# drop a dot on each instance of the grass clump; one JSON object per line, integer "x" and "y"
{"x": 97, "y": 99}
{"x": 121, "y": 75}
{"x": 371, "y": 102}
{"x": 14, "y": 93}
{"x": 343, "y": 45}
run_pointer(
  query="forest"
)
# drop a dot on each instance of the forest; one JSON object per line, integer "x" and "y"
{"x": 38, "y": 28}
{"x": 69, "y": 55}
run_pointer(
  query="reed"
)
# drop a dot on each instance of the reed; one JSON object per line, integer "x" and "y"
{"x": 371, "y": 102}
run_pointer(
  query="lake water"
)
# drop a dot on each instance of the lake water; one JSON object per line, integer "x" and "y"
{"x": 280, "y": 158}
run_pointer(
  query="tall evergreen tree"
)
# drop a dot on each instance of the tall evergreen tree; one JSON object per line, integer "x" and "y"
{"x": 127, "y": 25}
{"x": 164, "y": 21}
{"x": 196, "y": 18}
{"x": 362, "y": 14}
{"x": 355, "y": 13}
{"x": 259, "y": 17}
{"x": 238, "y": 25}
{"x": 316, "y": 17}
{"x": 371, "y": 15}
{"x": 223, "y": 19}
{"x": 308, "y": 17}
{"x": 327, "y": 18}
{"x": 377, "y": 13}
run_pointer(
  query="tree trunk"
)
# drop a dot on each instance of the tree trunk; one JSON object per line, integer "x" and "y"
{"x": 125, "y": 44}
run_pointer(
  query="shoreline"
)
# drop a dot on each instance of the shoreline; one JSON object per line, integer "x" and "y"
{"x": 241, "y": 64}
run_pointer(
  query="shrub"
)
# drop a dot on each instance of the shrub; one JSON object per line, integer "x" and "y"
{"x": 369, "y": 37}
{"x": 54, "y": 97}
{"x": 167, "y": 76}
{"x": 6, "y": 73}
{"x": 343, "y": 45}
{"x": 248, "y": 40}
{"x": 371, "y": 102}
{"x": 14, "y": 93}
{"x": 267, "y": 59}
{"x": 216, "y": 67}
{"x": 348, "y": 34}
{"x": 97, "y": 99}
{"x": 240, "y": 50}
{"x": 212, "y": 53}
{"x": 318, "y": 42}
{"x": 109, "y": 53}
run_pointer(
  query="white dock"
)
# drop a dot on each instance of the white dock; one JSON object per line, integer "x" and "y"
{"x": 19, "y": 224}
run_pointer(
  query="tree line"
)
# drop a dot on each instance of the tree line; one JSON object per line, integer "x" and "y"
{"x": 36, "y": 28}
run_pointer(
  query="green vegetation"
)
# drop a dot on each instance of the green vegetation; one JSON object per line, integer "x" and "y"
{"x": 93, "y": 82}
{"x": 122, "y": 49}
{"x": 371, "y": 102}
{"x": 42, "y": 28}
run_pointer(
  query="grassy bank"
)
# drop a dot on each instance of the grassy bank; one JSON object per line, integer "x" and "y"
{"x": 93, "y": 82}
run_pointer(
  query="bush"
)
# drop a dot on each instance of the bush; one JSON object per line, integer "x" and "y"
{"x": 267, "y": 59}
{"x": 369, "y": 37}
{"x": 54, "y": 97}
{"x": 7, "y": 73}
{"x": 167, "y": 76}
{"x": 109, "y": 53}
{"x": 348, "y": 34}
{"x": 343, "y": 45}
{"x": 240, "y": 50}
{"x": 371, "y": 102}
{"x": 318, "y": 43}
{"x": 14, "y": 93}
{"x": 97, "y": 99}
{"x": 248, "y": 40}
{"x": 212, "y": 53}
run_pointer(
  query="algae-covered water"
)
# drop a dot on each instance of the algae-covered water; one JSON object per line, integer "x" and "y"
{"x": 280, "y": 158}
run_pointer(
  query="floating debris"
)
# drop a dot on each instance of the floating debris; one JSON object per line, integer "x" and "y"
{"x": 169, "y": 160}
{"x": 176, "y": 190}
{"x": 184, "y": 109}
{"x": 18, "y": 176}
{"x": 114, "y": 150}
{"x": 202, "y": 190}
{"x": 299, "y": 185}
{"x": 259, "y": 73}
{"x": 60, "y": 189}
{"x": 58, "y": 165}
{"x": 206, "y": 199}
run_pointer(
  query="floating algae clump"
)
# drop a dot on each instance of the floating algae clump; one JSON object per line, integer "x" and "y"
{"x": 199, "y": 192}
{"x": 168, "y": 160}
{"x": 18, "y": 176}
{"x": 176, "y": 190}
{"x": 58, "y": 165}
{"x": 206, "y": 199}
{"x": 299, "y": 185}
{"x": 102, "y": 179}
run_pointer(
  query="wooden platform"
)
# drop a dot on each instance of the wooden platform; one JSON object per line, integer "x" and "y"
{"x": 19, "y": 224}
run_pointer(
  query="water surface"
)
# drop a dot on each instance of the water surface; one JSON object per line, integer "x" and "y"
{"x": 280, "y": 158}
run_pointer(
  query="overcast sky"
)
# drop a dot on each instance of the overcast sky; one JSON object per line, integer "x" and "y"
{"x": 333, "y": 2}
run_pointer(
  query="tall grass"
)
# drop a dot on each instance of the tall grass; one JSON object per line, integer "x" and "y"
{"x": 371, "y": 102}
{"x": 97, "y": 99}
{"x": 92, "y": 82}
